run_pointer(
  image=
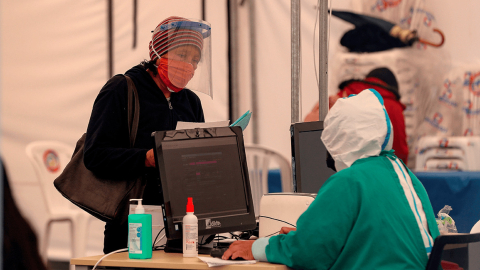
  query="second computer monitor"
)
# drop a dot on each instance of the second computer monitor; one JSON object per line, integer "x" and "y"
{"x": 309, "y": 156}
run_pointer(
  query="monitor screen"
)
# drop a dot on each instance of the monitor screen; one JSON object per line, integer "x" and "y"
{"x": 309, "y": 156}
{"x": 212, "y": 170}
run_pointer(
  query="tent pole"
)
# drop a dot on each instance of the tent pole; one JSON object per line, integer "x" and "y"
{"x": 323, "y": 59}
{"x": 253, "y": 70}
{"x": 135, "y": 23}
{"x": 295, "y": 59}
{"x": 233, "y": 98}
{"x": 110, "y": 38}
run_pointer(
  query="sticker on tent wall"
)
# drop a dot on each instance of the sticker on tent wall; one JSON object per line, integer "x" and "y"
{"x": 472, "y": 80}
{"x": 447, "y": 98}
{"x": 382, "y": 5}
{"x": 443, "y": 143}
{"x": 468, "y": 132}
{"x": 50, "y": 158}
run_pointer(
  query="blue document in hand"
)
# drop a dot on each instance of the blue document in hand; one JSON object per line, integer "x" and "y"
{"x": 243, "y": 120}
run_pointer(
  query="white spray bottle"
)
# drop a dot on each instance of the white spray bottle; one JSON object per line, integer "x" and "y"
{"x": 190, "y": 232}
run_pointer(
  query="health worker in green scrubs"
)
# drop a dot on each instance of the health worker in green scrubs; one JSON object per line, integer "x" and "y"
{"x": 372, "y": 214}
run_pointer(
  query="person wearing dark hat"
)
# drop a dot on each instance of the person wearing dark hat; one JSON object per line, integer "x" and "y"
{"x": 179, "y": 63}
{"x": 384, "y": 82}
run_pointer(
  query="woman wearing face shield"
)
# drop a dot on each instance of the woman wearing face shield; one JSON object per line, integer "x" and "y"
{"x": 179, "y": 63}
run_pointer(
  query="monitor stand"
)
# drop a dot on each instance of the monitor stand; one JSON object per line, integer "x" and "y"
{"x": 176, "y": 246}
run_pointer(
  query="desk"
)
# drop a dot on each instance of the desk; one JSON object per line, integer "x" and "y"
{"x": 162, "y": 260}
{"x": 460, "y": 190}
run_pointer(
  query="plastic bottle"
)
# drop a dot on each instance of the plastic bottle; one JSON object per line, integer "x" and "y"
{"x": 190, "y": 232}
{"x": 446, "y": 224}
{"x": 139, "y": 233}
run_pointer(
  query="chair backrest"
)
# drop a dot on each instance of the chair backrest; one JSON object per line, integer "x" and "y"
{"x": 476, "y": 228}
{"x": 442, "y": 240}
{"x": 260, "y": 160}
{"x": 474, "y": 250}
{"x": 49, "y": 158}
{"x": 456, "y": 148}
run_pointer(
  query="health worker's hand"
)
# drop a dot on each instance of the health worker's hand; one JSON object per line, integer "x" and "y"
{"x": 150, "y": 159}
{"x": 285, "y": 230}
{"x": 242, "y": 248}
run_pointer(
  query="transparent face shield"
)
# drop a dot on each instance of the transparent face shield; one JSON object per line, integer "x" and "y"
{"x": 186, "y": 60}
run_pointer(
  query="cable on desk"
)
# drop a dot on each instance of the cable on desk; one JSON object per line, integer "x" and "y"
{"x": 126, "y": 249}
{"x": 161, "y": 247}
{"x": 155, "y": 241}
{"x": 271, "y": 234}
{"x": 279, "y": 220}
{"x": 209, "y": 239}
{"x": 116, "y": 251}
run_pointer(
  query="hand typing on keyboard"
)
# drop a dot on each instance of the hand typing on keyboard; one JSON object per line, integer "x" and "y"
{"x": 218, "y": 253}
{"x": 239, "y": 249}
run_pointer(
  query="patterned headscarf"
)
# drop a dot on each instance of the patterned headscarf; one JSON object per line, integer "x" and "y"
{"x": 168, "y": 35}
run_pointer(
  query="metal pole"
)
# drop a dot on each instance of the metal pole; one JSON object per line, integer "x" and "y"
{"x": 323, "y": 60}
{"x": 295, "y": 36}
{"x": 110, "y": 37}
{"x": 233, "y": 59}
{"x": 253, "y": 69}
{"x": 135, "y": 23}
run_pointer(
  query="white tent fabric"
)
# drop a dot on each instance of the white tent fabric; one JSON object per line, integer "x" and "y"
{"x": 274, "y": 65}
{"x": 53, "y": 62}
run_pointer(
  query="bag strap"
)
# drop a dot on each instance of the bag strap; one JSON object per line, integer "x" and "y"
{"x": 133, "y": 113}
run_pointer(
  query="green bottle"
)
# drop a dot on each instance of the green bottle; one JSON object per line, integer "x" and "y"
{"x": 139, "y": 233}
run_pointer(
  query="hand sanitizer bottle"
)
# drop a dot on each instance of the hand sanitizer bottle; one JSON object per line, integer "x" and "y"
{"x": 139, "y": 233}
{"x": 190, "y": 232}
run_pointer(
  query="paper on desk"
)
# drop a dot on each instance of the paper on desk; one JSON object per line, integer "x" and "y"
{"x": 242, "y": 122}
{"x": 212, "y": 262}
{"x": 190, "y": 125}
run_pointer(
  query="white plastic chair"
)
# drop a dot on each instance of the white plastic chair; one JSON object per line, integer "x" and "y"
{"x": 476, "y": 228}
{"x": 474, "y": 249}
{"x": 454, "y": 148}
{"x": 259, "y": 160}
{"x": 49, "y": 158}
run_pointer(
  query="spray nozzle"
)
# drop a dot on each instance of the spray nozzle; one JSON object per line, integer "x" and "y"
{"x": 190, "y": 205}
{"x": 139, "y": 209}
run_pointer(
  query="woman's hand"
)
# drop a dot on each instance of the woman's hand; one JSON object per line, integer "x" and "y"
{"x": 150, "y": 159}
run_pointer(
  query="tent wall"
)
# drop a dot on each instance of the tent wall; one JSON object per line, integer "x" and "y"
{"x": 273, "y": 50}
{"x": 53, "y": 62}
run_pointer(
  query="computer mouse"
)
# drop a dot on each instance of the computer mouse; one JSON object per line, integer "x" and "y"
{"x": 217, "y": 252}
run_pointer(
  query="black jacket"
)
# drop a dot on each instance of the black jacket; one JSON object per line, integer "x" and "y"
{"x": 107, "y": 152}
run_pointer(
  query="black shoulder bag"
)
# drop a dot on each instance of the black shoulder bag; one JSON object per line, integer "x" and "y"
{"x": 105, "y": 199}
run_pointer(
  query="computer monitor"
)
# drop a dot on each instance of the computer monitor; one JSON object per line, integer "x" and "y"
{"x": 209, "y": 165}
{"x": 309, "y": 156}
